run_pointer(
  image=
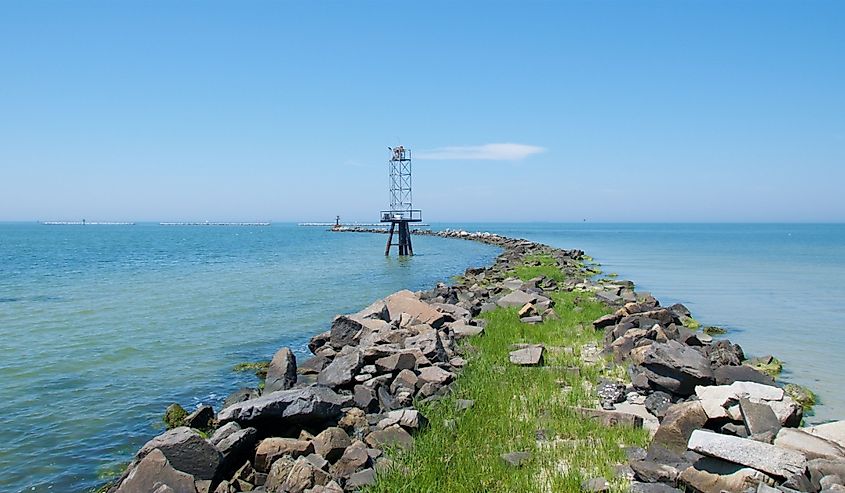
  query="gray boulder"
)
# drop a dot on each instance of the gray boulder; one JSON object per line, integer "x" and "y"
{"x": 769, "y": 459}
{"x": 355, "y": 457}
{"x": 812, "y": 446}
{"x": 343, "y": 331}
{"x": 238, "y": 446}
{"x": 762, "y": 423}
{"x": 726, "y": 375}
{"x": 676, "y": 368}
{"x": 341, "y": 371}
{"x": 186, "y": 451}
{"x": 281, "y": 375}
{"x": 154, "y": 471}
{"x": 516, "y": 299}
{"x": 678, "y": 424}
{"x": 331, "y": 443}
{"x": 310, "y": 405}
{"x": 531, "y": 355}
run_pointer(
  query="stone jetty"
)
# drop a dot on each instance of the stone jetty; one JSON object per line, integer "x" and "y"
{"x": 330, "y": 422}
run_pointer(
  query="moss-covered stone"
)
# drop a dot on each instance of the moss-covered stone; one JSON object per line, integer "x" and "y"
{"x": 770, "y": 366}
{"x": 174, "y": 416}
{"x": 801, "y": 395}
{"x": 714, "y": 331}
{"x": 259, "y": 367}
{"x": 691, "y": 323}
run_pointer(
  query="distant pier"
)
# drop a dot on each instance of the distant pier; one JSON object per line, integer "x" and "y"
{"x": 86, "y": 223}
{"x": 209, "y": 223}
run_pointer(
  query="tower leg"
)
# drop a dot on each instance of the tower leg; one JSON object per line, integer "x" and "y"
{"x": 404, "y": 239}
{"x": 410, "y": 245}
{"x": 389, "y": 240}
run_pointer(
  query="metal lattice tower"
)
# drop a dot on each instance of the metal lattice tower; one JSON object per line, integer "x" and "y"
{"x": 401, "y": 211}
{"x": 400, "y": 179}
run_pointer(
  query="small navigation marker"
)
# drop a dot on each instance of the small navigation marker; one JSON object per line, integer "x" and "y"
{"x": 401, "y": 211}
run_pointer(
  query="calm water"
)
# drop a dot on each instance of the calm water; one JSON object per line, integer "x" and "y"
{"x": 778, "y": 288}
{"x": 102, "y": 326}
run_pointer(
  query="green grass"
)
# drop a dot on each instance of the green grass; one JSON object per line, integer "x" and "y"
{"x": 548, "y": 267}
{"x": 511, "y": 405}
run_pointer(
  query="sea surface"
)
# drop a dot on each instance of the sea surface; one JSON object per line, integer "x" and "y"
{"x": 778, "y": 288}
{"x": 101, "y": 327}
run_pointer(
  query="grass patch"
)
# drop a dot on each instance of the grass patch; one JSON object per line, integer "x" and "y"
{"x": 547, "y": 267}
{"x": 460, "y": 450}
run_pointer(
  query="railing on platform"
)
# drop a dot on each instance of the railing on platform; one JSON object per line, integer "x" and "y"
{"x": 407, "y": 215}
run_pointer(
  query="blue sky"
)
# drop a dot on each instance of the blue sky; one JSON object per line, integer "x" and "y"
{"x": 551, "y": 111}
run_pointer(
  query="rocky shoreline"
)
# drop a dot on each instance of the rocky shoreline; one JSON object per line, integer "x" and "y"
{"x": 330, "y": 423}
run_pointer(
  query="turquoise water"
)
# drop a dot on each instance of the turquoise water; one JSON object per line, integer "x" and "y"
{"x": 102, "y": 326}
{"x": 778, "y": 288}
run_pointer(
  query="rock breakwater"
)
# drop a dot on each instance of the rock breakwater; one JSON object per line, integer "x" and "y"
{"x": 333, "y": 422}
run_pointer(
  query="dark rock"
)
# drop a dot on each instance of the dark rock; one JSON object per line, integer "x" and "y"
{"x": 355, "y": 457}
{"x": 515, "y": 459}
{"x": 238, "y": 446}
{"x": 331, "y": 443}
{"x": 678, "y": 424}
{"x": 281, "y": 374}
{"x": 302, "y": 476}
{"x": 343, "y": 332}
{"x": 676, "y": 368}
{"x": 272, "y": 448}
{"x": 310, "y": 405}
{"x": 635, "y": 453}
{"x": 726, "y": 375}
{"x": 152, "y": 472}
{"x": 341, "y": 371}
{"x": 186, "y": 451}
{"x": 610, "y": 418}
{"x": 223, "y": 432}
{"x": 595, "y": 485}
{"x": 723, "y": 353}
{"x": 606, "y": 321}
{"x": 612, "y": 392}
{"x": 638, "y": 487}
{"x": 395, "y": 362}
{"x": 241, "y": 395}
{"x": 201, "y": 418}
{"x": 313, "y": 365}
{"x": 762, "y": 423}
{"x": 365, "y": 398}
{"x": 319, "y": 341}
{"x": 435, "y": 375}
{"x": 657, "y": 403}
{"x": 654, "y": 472}
{"x": 394, "y": 436}
{"x": 734, "y": 429}
{"x": 532, "y": 355}
{"x": 362, "y": 478}
{"x": 429, "y": 343}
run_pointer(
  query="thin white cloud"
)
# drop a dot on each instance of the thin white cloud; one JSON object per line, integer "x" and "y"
{"x": 485, "y": 152}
